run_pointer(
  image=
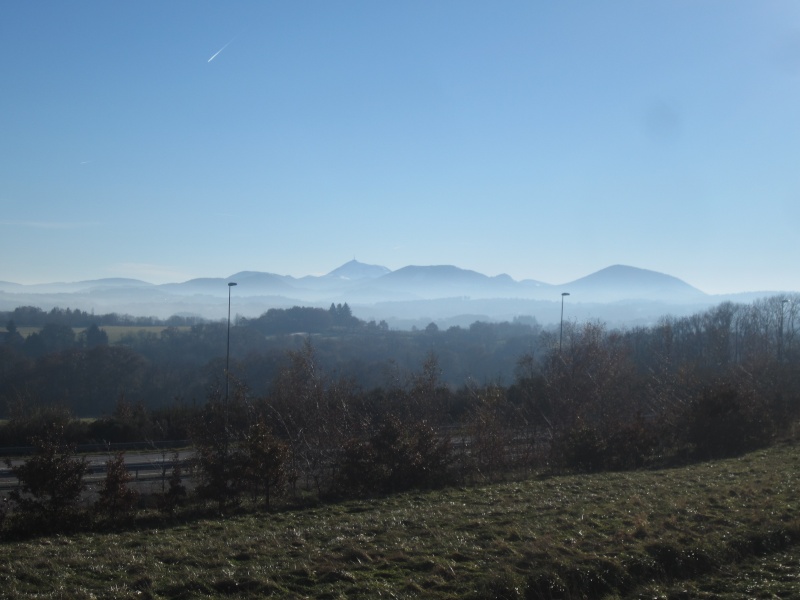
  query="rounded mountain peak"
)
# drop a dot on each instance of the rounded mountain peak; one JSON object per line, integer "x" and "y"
{"x": 353, "y": 270}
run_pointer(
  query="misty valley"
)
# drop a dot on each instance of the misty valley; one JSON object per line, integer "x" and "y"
{"x": 306, "y": 407}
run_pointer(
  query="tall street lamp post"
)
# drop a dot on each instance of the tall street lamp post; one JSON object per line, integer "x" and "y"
{"x": 561, "y": 335}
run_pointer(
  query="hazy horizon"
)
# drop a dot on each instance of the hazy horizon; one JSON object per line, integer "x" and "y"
{"x": 166, "y": 142}
{"x": 461, "y": 268}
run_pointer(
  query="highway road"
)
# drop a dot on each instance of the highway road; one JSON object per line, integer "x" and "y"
{"x": 142, "y": 465}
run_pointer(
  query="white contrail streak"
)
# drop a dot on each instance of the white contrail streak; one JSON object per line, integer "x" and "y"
{"x": 220, "y": 50}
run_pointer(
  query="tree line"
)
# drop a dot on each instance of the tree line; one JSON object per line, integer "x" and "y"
{"x": 33, "y": 316}
{"x": 87, "y": 373}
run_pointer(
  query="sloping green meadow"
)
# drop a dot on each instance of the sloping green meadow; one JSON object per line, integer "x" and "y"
{"x": 725, "y": 529}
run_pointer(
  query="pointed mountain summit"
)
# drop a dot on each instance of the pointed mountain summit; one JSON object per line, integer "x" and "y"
{"x": 354, "y": 270}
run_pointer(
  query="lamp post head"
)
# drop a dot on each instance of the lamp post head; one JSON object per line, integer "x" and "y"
{"x": 564, "y": 294}
{"x": 231, "y": 284}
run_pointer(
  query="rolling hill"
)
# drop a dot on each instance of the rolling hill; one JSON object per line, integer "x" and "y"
{"x": 404, "y": 297}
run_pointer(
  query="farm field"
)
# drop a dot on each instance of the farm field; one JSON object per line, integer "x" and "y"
{"x": 723, "y": 529}
{"x": 117, "y": 332}
{"x": 26, "y": 331}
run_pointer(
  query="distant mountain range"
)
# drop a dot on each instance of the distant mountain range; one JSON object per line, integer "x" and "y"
{"x": 411, "y": 294}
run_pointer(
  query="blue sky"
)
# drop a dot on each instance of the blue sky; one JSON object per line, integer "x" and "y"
{"x": 542, "y": 139}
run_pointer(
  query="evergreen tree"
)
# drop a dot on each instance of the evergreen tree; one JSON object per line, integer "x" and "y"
{"x": 50, "y": 481}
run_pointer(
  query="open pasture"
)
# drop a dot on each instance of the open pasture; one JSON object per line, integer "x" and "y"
{"x": 117, "y": 332}
{"x": 723, "y": 529}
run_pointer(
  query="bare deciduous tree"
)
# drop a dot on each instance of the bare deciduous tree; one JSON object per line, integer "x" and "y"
{"x": 117, "y": 499}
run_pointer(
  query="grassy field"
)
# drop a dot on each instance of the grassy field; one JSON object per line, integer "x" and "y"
{"x": 117, "y": 332}
{"x": 26, "y": 331}
{"x": 725, "y": 529}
